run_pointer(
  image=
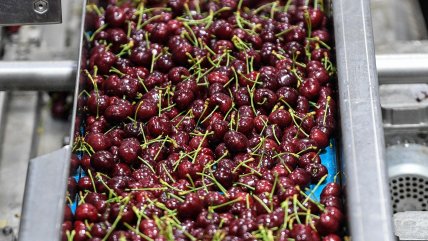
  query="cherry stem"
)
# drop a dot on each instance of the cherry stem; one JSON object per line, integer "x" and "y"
{"x": 70, "y": 235}
{"x": 275, "y": 182}
{"x": 262, "y": 203}
{"x": 135, "y": 230}
{"x": 92, "y": 180}
{"x": 212, "y": 208}
{"x": 104, "y": 26}
{"x": 308, "y": 22}
{"x": 327, "y": 105}
{"x": 147, "y": 164}
{"x": 222, "y": 189}
{"x": 295, "y": 208}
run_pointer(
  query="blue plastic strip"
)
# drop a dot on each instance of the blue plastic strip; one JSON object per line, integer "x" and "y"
{"x": 328, "y": 159}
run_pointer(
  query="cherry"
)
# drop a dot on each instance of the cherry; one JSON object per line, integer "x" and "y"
{"x": 235, "y": 141}
{"x": 310, "y": 88}
{"x": 67, "y": 226}
{"x": 155, "y": 79}
{"x": 128, "y": 214}
{"x": 242, "y": 226}
{"x": 300, "y": 176}
{"x": 308, "y": 158}
{"x": 331, "y": 237}
{"x": 225, "y": 176}
{"x": 268, "y": 75}
{"x": 191, "y": 207}
{"x": 265, "y": 98}
{"x": 121, "y": 169}
{"x": 164, "y": 63}
{"x": 159, "y": 126}
{"x": 102, "y": 161}
{"x": 104, "y": 61}
{"x": 280, "y": 117}
{"x": 97, "y": 103}
{"x": 223, "y": 101}
{"x": 177, "y": 74}
{"x": 331, "y": 189}
{"x": 118, "y": 111}
{"x": 242, "y": 97}
{"x": 177, "y": 6}
{"x": 80, "y": 230}
{"x": 129, "y": 150}
{"x": 117, "y": 37}
{"x": 304, "y": 232}
{"x": 217, "y": 77}
{"x": 98, "y": 141}
{"x": 86, "y": 211}
{"x": 114, "y": 16}
{"x": 317, "y": 171}
{"x": 320, "y": 137}
{"x": 332, "y": 201}
{"x": 85, "y": 183}
{"x": 328, "y": 223}
{"x": 263, "y": 186}
{"x": 222, "y": 29}
{"x": 99, "y": 230}
{"x": 159, "y": 33}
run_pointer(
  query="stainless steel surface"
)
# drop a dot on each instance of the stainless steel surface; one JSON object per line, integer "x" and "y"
{"x": 411, "y": 226}
{"x": 402, "y": 68}
{"x": 44, "y": 199}
{"x": 408, "y": 173}
{"x": 20, "y": 12}
{"x": 362, "y": 140}
{"x": 37, "y": 75}
{"x": 19, "y": 126}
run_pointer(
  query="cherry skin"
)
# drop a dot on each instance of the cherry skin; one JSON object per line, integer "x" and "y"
{"x": 235, "y": 141}
{"x": 86, "y": 211}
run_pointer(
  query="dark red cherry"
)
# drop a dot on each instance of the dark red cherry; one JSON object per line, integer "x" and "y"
{"x": 331, "y": 237}
{"x": 317, "y": 171}
{"x": 114, "y": 16}
{"x": 102, "y": 161}
{"x": 159, "y": 126}
{"x": 265, "y": 98}
{"x": 280, "y": 117}
{"x": 235, "y": 141}
{"x": 301, "y": 177}
{"x": 129, "y": 150}
{"x": 223, "y": 101}
{"x": 178, "y": 74}
{"x": 331, "y": 189}
{"x": 86, "y": 211}
{"x": 98, "y": 141}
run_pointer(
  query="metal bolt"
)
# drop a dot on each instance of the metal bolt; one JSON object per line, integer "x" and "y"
{"x": 41, "y": 6}
{"x": 7, "y": 231}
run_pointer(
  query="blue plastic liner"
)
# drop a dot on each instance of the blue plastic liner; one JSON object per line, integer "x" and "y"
{"x": 329, "y": 160}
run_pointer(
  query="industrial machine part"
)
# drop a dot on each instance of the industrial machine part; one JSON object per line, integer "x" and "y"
{"x": 411, "y": 226}
{"x": 408, "y": 173}
{"x": 368, "y": 198}
{"x": 19, "y": 12}
{"x": 367, "y": 194}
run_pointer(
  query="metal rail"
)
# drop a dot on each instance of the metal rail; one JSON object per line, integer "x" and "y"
{"x": 402, "y": 68}
{"x": 362, "y": 140}
{"x": 37, "y": 75}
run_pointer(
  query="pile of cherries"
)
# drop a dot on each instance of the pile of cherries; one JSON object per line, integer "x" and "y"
{"x": 204, "y": 120}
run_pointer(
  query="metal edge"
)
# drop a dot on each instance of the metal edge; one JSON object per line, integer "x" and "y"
{"x": 79, "y": 63}
{"x": 21, "y": 12}
{"x": 362, "y": 148}
{"x": 53, "y": 211}
{"x": 43, "y": 209}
